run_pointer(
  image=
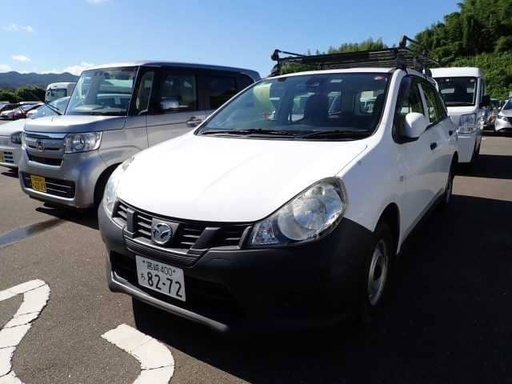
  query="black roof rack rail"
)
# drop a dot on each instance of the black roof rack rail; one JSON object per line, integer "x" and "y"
{"x": 402, "y": 57}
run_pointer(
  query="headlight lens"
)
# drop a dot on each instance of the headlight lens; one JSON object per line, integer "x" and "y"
{"x": 82, "y": 142}
{"x": 16, "y": 137}
{"x": 110, "y": 193}
{"x": 467, "y": 123}
{"x": 308, "y": 215}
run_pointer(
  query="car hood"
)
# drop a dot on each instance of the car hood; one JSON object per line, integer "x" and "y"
{"x": 75, "y": 124}
{"x": 229, "y": 179}
{"x": 8, "y": 129}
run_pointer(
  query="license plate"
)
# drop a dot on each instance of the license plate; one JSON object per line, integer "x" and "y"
{"x": 160, "y": 277}
{"x": 38, "y": 183}
{"x": 2, "y": 157}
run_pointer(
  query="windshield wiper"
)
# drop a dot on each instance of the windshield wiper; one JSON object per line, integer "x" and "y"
{"x": 337, "y": 134}
{"x": 250, "y": 131}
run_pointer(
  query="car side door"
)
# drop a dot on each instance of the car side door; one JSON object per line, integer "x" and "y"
{"x": 416, "y": 157}
{"x": 173, "y": 108}
{"x": 442, "y": 133}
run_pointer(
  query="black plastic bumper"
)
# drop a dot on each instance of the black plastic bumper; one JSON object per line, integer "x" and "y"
{"x": 311, "y": 284}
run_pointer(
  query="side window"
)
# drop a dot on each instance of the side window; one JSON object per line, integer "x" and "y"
{"x": 409, "y": 100}
{"x": 435, "y": 110}
{"x": 244, "y": 81}
{"x": 221, "y": 89}
{"x": 144, "y": 93}
{"x": 177, "y": 88}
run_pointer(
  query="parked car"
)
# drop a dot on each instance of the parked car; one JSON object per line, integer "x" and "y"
{"x": 11, "y": 133}
{"x": 19, "y": 111}
{"x": 503, "y": 121}
{"x": 286, "y": 206}
{"x": 464, "y": 92}
{"x": 114, "y": 112}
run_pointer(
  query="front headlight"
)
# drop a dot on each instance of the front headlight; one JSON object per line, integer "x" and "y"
{"x": 110, "y": 192}
{"x": 82, "y": 142}
{"x": 467, "y": 123}
{"x": 16, "y": 137}
{"x": 309, "y": 215}
{"x": 501, "y": 117}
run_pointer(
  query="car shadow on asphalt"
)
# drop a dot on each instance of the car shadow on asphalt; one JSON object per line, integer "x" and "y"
{"x": 448, "y": 317}
{"x": 88, "y": 218}
{"x": 490, "y": 166}
{"x": 10, "y": 173}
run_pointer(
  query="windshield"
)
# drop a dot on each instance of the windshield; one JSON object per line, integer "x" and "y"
{"x": 329, "y": 106}
{"x": 508, "y": 105}
{"x": 458, "y": 91}
{"x": 103, "y": 92}
{"x": 45, "y": 110}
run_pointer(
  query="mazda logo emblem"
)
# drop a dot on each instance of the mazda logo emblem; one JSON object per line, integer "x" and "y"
{"x": 39, "y": 146}
{"x": 161, "y": 233}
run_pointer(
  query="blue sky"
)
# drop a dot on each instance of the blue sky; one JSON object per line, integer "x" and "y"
{"x": 70, "y": 35}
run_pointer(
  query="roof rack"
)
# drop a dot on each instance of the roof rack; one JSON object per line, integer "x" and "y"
{"x": 402, "y": 57}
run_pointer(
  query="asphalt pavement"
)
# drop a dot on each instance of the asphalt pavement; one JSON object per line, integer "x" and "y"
{"x": 448, "y": 317}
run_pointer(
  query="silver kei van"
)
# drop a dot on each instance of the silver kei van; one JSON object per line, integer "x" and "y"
{"x": 114, "y": 112}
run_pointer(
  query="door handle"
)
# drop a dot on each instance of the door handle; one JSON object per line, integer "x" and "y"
{"x": 193, "y": 122}
{"x": 433, "y": 146}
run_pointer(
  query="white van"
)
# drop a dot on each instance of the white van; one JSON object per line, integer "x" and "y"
{"x": 58, "y": 90}
{"x": 464, "y": 93}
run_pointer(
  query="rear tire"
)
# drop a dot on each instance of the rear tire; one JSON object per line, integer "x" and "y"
{"x": 376, "y": 274}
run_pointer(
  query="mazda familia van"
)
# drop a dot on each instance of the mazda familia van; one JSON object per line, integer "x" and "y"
{"x": 287, "y": 206}
{"x": 113, "y": 113}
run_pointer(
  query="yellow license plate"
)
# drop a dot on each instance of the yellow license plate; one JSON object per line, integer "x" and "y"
{"x": 38, "y": 183}
{"x": 2, "y": 157}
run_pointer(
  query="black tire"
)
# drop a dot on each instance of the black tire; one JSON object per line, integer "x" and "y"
{"x": 376, "y": 273}
{"x": 448, "y": 190}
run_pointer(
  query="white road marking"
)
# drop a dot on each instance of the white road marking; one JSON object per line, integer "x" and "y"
{"x": 157, "y": 362}
{"x": 35, "y": 297}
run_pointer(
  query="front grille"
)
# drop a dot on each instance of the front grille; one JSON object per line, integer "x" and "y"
{"x": 206, "y": 298}
{"x": 45, "y": 148}
{"x": 55, "y": 187}
{"x": 9, "y": 157}
{"x": 190, "y": 239}
{"x": 44, "y": 160}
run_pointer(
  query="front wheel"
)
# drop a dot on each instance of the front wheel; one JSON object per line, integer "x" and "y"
{"x": 448, "y": 190}
{"x": 376, "y": 273}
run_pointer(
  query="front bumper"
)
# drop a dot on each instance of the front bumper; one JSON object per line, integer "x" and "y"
{"x": 503, "y": 124}
{"x": 70, "y": 184}
{"x": 467, "y": 144}
{"x": 10, "y": 155}
{"x": 230, "y": 289}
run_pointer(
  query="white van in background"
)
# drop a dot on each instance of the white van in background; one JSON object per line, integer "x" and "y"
{"x": 58, "y": 90}
{"x": 464, "y": 93}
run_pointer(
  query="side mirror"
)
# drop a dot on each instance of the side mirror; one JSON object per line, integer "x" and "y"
{"x": 169, "y": 104}
{"x": 415, "y": 125}
{"x": 486, "y": 101}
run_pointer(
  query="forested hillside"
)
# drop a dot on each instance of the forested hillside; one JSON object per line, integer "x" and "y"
{"x": 479, "y": 34}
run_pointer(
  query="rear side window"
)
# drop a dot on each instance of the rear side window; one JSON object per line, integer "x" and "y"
{"x": 180, "y": 88}
{"x": 221, "y": 89}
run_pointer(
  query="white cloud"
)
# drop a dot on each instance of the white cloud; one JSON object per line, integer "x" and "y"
{"x": 96, "y": 1}
{"x": 4, "y": 68}
{"x": 20, "y": 58}
{"x": 73, "y": 69}
{"x": 17, "y": 28}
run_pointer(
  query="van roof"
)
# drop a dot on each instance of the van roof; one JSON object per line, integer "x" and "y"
{"x": 148, "y": 63}
{"x": 457, "y": 72}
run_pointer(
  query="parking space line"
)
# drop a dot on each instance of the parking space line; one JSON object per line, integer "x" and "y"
{"x": 35, "y": 297}
{"x": 157, "y": 362}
